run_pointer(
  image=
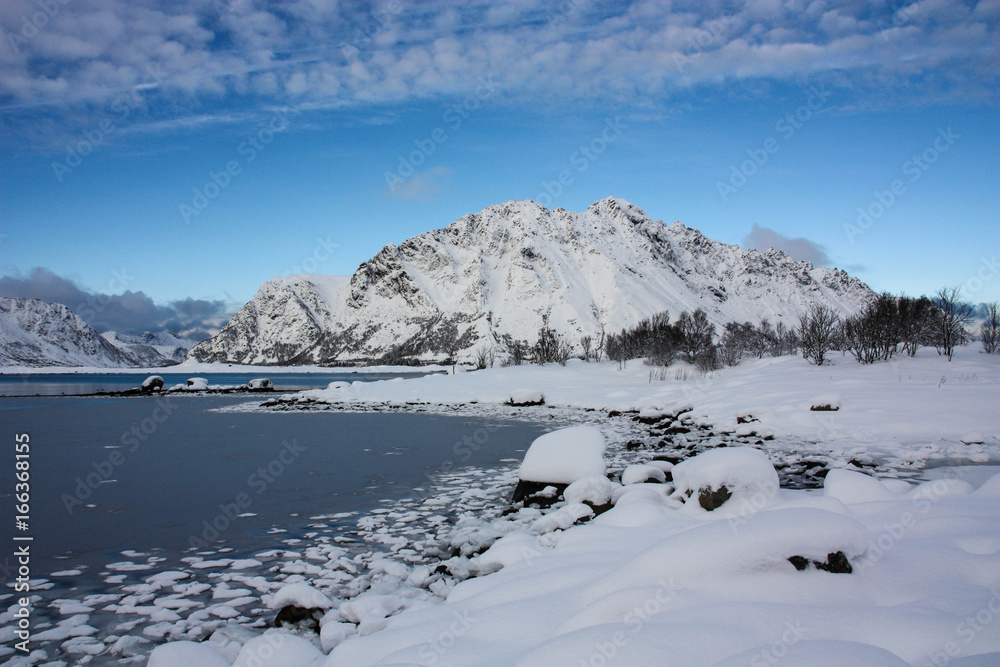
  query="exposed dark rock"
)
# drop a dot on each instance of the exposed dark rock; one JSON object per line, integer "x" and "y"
{"x": 836, "y": 562}
{"x": 824, "y": 408}
{"x": 799, "y": 562}
{"x": 633, "y": 445}
{"x": 300, "y": 616}
{"x": 651, "y": 419}
{"x": 531, "y": 493}
{"x": 712, "y": 499}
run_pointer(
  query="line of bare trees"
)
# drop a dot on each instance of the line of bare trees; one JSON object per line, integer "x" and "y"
{"x": 890, "y": 325}
{"x": 886, "y": 326}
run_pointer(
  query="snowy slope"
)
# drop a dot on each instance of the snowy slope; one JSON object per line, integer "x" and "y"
{"x": 151, "y": 349}
{"x": 511, "y": 268}
{"x": 37, "y": 333}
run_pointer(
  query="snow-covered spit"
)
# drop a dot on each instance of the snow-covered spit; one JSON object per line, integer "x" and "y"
{"x": 512, "y": 268}
{"x": 919, "y": 407}
{"x": 700, "y": 562}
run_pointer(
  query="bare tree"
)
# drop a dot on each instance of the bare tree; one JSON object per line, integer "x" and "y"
{"x": 517, "y": 351}
{"x": 951, "y": 321}
{"x": 484, "y": 357}
{"x": 586, "y": 342}
{"x": 989, "y": 331}
{"x": 696, "y": 334}
{"x": 818, "y": 333}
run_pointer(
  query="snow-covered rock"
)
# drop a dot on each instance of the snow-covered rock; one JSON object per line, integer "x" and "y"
{"x": 197, "y": 384}
{"x": 277, "y": 649}
{"x": 260, "y": 384}
{"x": 730, "y": 481}
{"x": 151, "y": 384}
{"x": 564, "y": 456}
{"x": 825, "y": 403}
{"x": 520, "y": 397}
{"x": 509, "y": 270}
{"x": 593, "y": 489}
{"x": 300, "y": 594}
{"x": 186, "y": 654}
{"x": 562, "y": 518}
{"x": 639, "y": 473}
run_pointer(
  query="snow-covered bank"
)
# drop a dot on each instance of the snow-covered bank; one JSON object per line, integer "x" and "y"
{"x": 656, "y": 581}
{"x": 861, "y": 573}
{"x": 715, "y": 565}
{"x": 918, "y": 401}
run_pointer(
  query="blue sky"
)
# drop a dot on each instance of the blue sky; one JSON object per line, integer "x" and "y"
{"x": 167, "y": 157}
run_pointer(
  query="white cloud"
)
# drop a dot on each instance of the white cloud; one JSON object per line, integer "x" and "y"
{"x": 328, "y": 53}
{"x": 421, "y": 186}
{"x": 762, "y": 238}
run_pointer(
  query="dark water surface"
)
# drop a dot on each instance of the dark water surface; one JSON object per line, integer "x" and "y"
{"x": 110, "y": 474}
{"x": 77, "y": 384}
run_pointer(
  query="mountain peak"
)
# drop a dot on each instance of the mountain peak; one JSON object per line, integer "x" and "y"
{"x": 511, "y": 269}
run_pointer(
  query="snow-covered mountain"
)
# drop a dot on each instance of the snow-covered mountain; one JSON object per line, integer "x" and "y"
{"x": 37, "y": 333}
{"x": 148, "y": 349}
{"x": 512, "y": 268}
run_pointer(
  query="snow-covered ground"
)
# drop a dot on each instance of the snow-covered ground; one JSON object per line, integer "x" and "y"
{"x": 760, "y": 579}
{"x": 922, "y": 406}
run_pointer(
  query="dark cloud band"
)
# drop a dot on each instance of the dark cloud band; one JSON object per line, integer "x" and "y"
{"x": 129, "y": 312}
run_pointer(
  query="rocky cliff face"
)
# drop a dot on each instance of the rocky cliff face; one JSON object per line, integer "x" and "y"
{"x": 511, "y": 269}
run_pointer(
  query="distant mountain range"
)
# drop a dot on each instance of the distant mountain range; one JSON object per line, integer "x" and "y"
{"x": 511, "y": 269}
{"x": 36, "y": 333}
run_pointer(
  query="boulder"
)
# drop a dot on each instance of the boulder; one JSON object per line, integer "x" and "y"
{"x": 305, "y": 618}
{"x": 151, "y": 384}
{"x": 260, "y": 384}
{"x": 197, "y": 384}
{"x": 642, "y": 473}
{"x": 524, "y": 397}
